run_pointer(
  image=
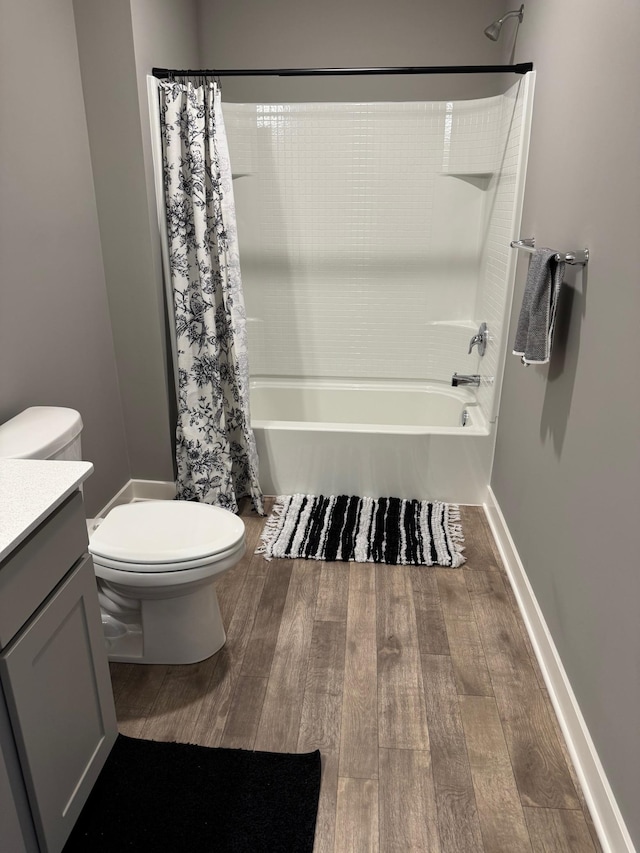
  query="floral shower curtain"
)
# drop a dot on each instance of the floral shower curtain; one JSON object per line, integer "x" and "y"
{"x": 215, "y": 447}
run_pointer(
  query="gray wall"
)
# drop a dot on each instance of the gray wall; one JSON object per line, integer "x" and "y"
{"x": 333, "y": 33}
{"x": 567, "y": 464}
{"x": 55, "y": 338}
{"x": 164, "y": 35}
{"x": 109, "y": 79}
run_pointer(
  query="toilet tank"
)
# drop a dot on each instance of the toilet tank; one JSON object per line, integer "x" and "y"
{"x": 42, "y": 432}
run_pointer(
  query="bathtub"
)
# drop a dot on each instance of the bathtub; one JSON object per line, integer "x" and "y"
{"x": 377, "y": 439}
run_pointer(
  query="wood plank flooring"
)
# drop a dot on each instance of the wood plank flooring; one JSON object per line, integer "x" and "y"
{"x": 418, "y": 686}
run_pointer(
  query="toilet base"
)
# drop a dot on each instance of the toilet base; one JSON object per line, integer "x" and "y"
{"x": 177, "y": 630}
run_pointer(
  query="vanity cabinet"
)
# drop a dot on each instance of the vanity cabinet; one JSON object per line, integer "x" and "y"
{"x": 59, "y": 715}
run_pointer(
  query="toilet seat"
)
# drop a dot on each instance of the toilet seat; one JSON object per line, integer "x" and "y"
{"x": 157, "y": 580}
{"x": 165, "y": 536}
{"x": 154, "y": 570}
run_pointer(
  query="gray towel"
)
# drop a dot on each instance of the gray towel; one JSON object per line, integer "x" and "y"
{"x": 534, "y": 335}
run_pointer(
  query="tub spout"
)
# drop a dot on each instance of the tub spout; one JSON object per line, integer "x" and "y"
{"x": 465, "y": 379}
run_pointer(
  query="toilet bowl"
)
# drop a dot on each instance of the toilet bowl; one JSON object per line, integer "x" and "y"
{"x": 156, "y": 562}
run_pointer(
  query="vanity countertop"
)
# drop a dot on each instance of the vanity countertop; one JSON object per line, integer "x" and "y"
{"x": 30, "y": 489}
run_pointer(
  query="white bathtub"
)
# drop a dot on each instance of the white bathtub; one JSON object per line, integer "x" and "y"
{"x": 370, "y": 439}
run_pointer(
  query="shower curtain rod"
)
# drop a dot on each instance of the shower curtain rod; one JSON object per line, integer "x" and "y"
{"x": 167, "y": 73}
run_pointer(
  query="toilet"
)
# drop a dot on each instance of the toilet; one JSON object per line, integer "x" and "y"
{"x": 155, "y": 561}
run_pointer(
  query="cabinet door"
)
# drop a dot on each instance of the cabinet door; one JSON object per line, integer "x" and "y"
{"x": 58, "y": 692}
{"x": 16, "y": 827}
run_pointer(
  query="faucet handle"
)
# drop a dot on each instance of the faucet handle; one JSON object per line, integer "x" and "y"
{"x": 481, "y": 338}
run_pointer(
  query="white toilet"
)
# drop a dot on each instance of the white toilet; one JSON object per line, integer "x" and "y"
{"x": 155, "y": 561}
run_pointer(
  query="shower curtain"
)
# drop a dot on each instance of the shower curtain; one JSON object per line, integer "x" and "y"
{"x": 216, "y": 453}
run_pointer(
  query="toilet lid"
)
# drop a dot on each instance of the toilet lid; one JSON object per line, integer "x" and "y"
{"x": 152, "y": 532}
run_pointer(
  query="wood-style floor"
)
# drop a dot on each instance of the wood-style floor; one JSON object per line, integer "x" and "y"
{"x": 418, "y": 685}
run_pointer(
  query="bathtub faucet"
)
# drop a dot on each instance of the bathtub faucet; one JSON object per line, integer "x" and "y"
{"x": 465, "y": 379}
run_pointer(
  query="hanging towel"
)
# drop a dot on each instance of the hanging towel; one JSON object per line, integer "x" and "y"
{"x": 534, "y": 334}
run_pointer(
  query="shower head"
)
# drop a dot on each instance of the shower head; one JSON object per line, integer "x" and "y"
{"x": 493, "y": 30}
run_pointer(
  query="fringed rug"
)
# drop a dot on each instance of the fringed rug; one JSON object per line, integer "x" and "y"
{"x": 381, "y": 530}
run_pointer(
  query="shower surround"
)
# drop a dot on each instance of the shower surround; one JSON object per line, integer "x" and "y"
{"x": 374, "y": 239}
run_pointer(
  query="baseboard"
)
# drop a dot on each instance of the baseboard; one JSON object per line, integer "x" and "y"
{"x": 141, "y": 490}
{"x": 612, "y": 832}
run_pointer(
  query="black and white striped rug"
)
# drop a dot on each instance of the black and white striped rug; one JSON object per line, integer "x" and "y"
{"x": 381, "y": 530}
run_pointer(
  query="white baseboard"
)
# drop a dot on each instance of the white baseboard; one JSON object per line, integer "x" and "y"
{"x": 612, "y": 832}
{"x": 141, "y": 490}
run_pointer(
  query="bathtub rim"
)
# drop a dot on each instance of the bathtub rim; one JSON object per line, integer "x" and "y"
{"x": 466, "y": 397}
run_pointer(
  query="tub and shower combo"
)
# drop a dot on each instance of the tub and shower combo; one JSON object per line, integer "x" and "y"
{"x": 375, "y": 241}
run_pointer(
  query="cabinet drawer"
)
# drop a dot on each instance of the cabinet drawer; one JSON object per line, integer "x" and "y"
{"x": 29, "y": 575}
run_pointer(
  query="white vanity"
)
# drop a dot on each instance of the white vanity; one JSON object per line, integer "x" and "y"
{"x": 57, "y": 717}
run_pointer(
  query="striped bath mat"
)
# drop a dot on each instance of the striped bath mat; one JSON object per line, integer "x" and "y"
{"x": 381, "y": 530}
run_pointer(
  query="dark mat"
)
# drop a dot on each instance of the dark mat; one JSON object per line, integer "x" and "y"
{"x": 153, "y": 796}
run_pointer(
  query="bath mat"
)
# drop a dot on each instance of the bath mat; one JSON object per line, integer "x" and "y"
{"x": 381, "y": 530}
{"x": 153, "y": 796}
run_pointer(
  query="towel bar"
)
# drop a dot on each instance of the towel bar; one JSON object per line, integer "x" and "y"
{"x": 528, "y": 244}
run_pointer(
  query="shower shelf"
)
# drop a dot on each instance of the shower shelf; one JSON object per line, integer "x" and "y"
{"x": 468, "y": 173}
{"x": 481, "y": 180}
{"x": 578, "y": 256}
